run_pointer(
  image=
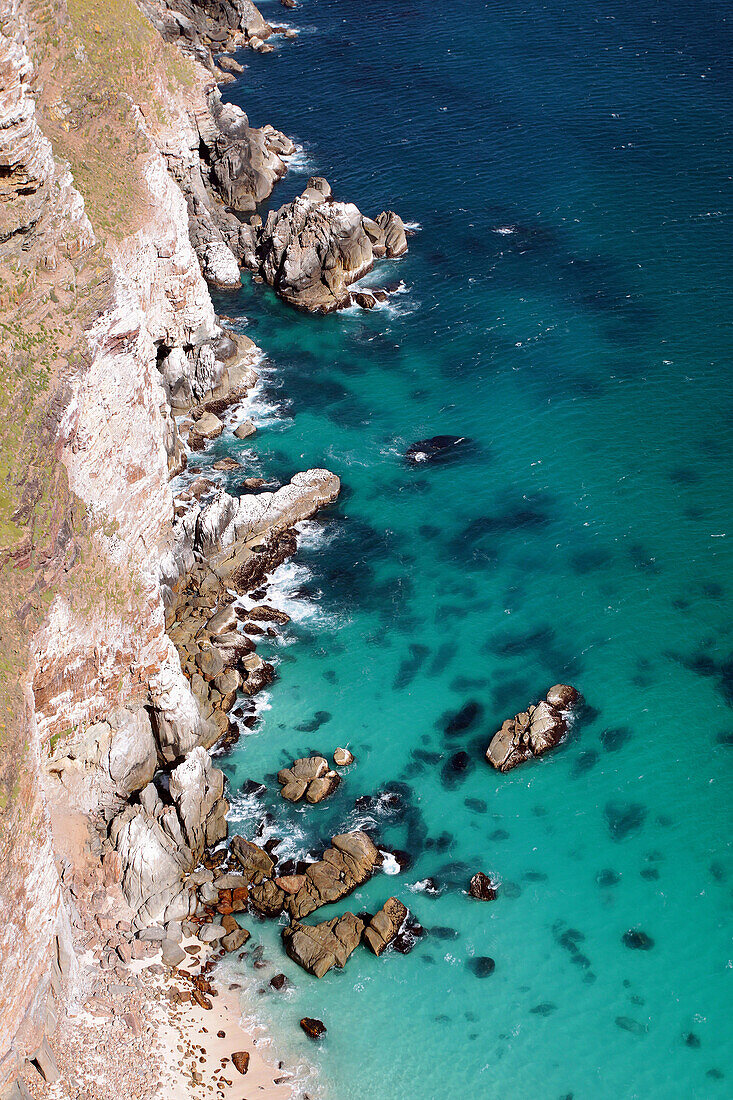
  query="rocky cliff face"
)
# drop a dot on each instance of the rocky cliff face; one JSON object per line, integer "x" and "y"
{"x": 96, "y": 322}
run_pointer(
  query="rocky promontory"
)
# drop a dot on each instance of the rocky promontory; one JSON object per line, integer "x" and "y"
{"x": 312, "y": 249}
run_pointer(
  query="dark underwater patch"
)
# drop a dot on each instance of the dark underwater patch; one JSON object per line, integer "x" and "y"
{"x": 482, "y": 966}
{"x": 410, "y": 666}
{"x": 615, "y": 738}
{"x": 544, "y": 1009}
{"x": 583, "y": 763}
{"x": 633, "y": 1026}
{"x": 461, "y": 720}
{"x": 315, "y": 723}
{"x": 478, "y": 805}
{"x": 624, "y": 818}
{"x": 637, "y": 940}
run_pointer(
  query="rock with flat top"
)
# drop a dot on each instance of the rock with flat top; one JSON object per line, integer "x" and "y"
{"x": 245, "y": 429}
{"x": 346, "y": 865}
{"x": 342, "y": 758}
{"x": 318, "y": 948}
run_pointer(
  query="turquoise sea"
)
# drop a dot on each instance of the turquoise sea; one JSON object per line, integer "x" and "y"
{"x": 566, "y": 304}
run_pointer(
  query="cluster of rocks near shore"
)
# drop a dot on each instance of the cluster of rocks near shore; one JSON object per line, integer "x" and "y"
{"x": 203, "y": 30}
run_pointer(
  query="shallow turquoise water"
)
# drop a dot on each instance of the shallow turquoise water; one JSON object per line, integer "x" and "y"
{"x": 566, "y": 305}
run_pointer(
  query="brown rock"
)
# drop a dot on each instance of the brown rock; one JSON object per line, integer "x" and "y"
{"x": 532, "y": 732}
{"x": 321, "y": 788}
{"x": 245, "y": 429}
{"x": 255, "y": 863}
{"x": 236, "y": 939}
{"x": 265, "y": 613}
{"x": 226, "y": 464}
{"x": 482, "y": 887}
{"x": 562, "y": 696}
{"x": 314, "y": 1029}
{"x": 267, "y": 898}
{"x": 318, "y": 948}
{"x": 342, "y": 758}
{"x": 346, "y": 865}
{"x": 278, "y": 981}
{"x": 290, "y": 883}
{"x": 384, "y": 926}
{"x": 240, "y": 1060}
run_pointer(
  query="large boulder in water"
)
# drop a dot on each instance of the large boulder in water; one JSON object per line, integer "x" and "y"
{"x": 439, "y": 448}
{"x": 350, "y": 861}
{"x": 532, "y": 732}
{"x": 385, "y": 925}
{"x": 312, "y": 249}
{"x": 318, "y": 948}
{"x": 310, "y": 777}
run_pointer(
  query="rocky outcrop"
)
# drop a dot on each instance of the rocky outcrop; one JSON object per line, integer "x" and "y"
{"x": 384, "y": 927}
{"x": 159, "y": 843}
{"x": 533, "y": 732}
{"x": 223, "y": 165}
{"x": 346, "y": 865}
{"x": 107, "y": 762}
{"x": 313, "y": 248}
{"x": 320, "y": 947}
{"x": 201, "y": 27}
{"x": 481, "y": 887}
{"x": 309, "y": 777}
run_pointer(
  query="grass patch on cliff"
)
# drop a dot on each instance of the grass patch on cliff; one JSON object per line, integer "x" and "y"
{"x": 111, "y": 63}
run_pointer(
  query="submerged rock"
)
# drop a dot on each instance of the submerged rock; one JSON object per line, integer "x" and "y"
{"x": 439, "y": 448}
{"x": 533, "y": 732}
{"x": 638, "y": 940}
{"x": 318, "y": 948}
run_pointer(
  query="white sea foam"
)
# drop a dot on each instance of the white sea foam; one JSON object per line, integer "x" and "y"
{"x": 390, "y": 866}
{"x": 505, "y": 230}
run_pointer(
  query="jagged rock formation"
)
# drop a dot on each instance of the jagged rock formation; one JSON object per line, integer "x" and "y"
{"x": 202, "y": 26}
{"x": 384, "y": 926}
{"x": 313, "y": 248}
{"x": 532, "y": 732}
{"x": 222, "y": 165}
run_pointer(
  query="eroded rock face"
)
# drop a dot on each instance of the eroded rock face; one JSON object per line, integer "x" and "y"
{"x": 350, "y": 861}
{"x": 481, "y": 887}
{"x": 533, "y": 732}
{"x": 312, "y": 249}
{"x": 200, "y": 26}
{"x": 197, "y": 789}
{"x": 320, "y": 947}
{"x": 160, "y": 844}
{"x": 385, "y": 925}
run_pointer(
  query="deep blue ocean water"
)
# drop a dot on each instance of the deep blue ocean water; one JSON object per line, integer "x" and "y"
{"x": 567, "y": 306}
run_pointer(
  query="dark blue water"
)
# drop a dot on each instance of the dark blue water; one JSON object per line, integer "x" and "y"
{"x": 566, "y": 305}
